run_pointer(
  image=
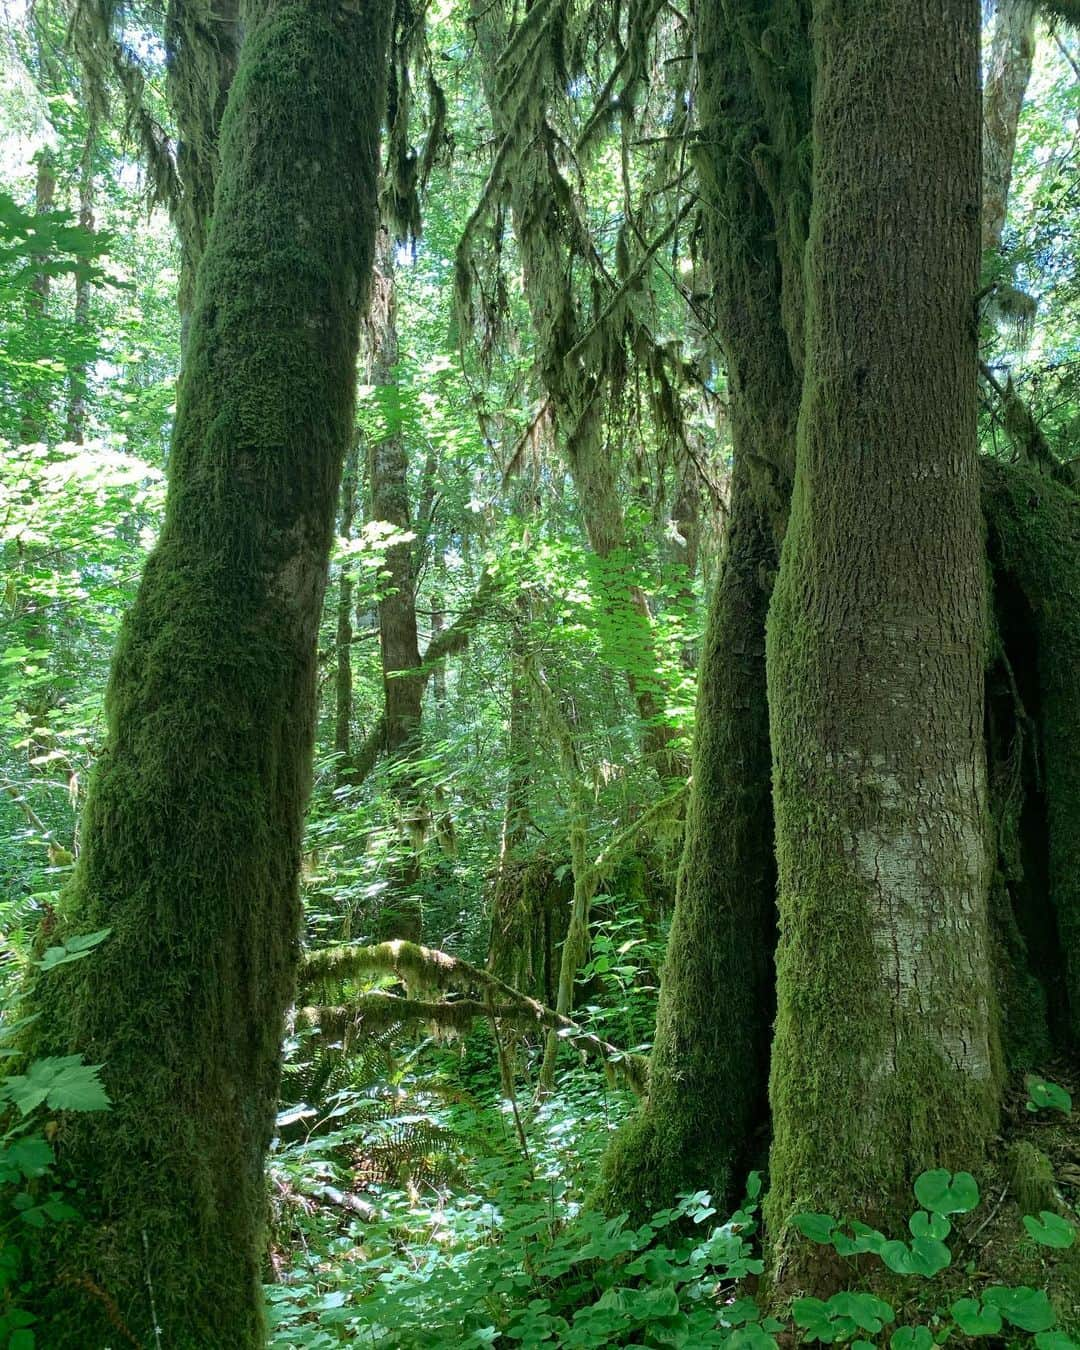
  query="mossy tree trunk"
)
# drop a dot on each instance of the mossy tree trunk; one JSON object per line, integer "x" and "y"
{"x": 343, "y": 639}
{"x": 701, "y": 1121}
{"x": 202, "y": 46}
{"x": 1033, "y": 526}
{"x": 403, "y": 682}
{"x": 191, "y": 840}
{"x": 885, "y": 1056}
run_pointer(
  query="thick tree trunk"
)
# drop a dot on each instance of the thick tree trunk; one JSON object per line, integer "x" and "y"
{"x": 191, "y": 841}
{"x": 709, "y": 1064}
{"x": 1034, "y": 547}
{"x": 709, "y": 1067}
{"x": 876, "y": 639}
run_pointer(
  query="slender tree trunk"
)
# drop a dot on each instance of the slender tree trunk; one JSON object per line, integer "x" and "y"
{"x": 1008, "y": 72}
{"x": 36, "y": 407}
{"x": 191, "y": 841}
{"x": 75, "y": 429}
{"x": 343, "y": 690}
{"x": 403, "y": 684}
{"x": 877, "y": 635}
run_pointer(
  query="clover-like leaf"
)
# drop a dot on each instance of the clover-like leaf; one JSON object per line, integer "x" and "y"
{"x": 911, "y": 1338}
{"x": 1044, "y": 1095}
{"x": 1051, "y": 1230}
{"x": 975, "y": 1320}
{"x": 943, "y": 1192}
{"x": 1028, "y": 1309}
{"x": 926, "y": 1225}
{"x": 816, "y": 1227}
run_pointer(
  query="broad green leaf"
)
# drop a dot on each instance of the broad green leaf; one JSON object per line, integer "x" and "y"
{"x": 922, "y": 1224}
{"x": 65, "y": 1084}
{"x": 912, "y": 1338}
{"x": 1028, "y": 1309}
{"x": 816, "y": 1227}
{"x": 975, "y": 1320}
{"x": 1051, "y": 1230}
{"x": 1044, "y": 1095}
{"x": 1054, "y": 1340}
{"x": 943, "y": 1192}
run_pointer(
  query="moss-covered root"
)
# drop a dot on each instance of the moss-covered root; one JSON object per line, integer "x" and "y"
{"x": 885, "y": 1056}
{"x": 709, "y": 1066}
{"x": 1034, "y": 541}
{"x": 192, "y": 832}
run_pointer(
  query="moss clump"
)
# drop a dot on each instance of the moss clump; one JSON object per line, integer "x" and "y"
{"x": 193, "y": 823}
{"x": 1031, "y": 1177}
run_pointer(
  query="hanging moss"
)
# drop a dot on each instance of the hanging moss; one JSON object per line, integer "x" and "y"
{"x": 191, "y": 840}
{"x": 1034, "y": 546}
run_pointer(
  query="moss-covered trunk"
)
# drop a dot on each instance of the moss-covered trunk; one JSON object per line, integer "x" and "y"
{"x": 343, "y": 637}
{"x": 1034, "y": 726}
{"x": 403, "y": 683}
{"x": 700, "y": 1125}
{"x": 709, "y": 1065}
{"x": 193, "y": 823}
{"x": 1008, "y": 72}
{"x": 202, "y": 46}
{"x": 884, "y": 1058}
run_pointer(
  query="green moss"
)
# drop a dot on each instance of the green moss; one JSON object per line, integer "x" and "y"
{"x": 1031, "y": 1177}
{"x": 192, "y": 831}
{"x": 885, "y": 1057}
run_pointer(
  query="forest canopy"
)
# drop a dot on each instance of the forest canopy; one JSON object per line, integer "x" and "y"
{"x": 539, "y": 648}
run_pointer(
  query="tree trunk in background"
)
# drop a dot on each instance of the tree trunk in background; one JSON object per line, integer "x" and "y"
{"x": 343, "y": 689}
{"x": 191, "y": 841}
{"x": 75, "y": 428}
{"x": 1008, "y": 72}
{"x": 876, "y": 640}
{"x": 709, "y": 1067}
{"x": 403, "y": 684}
{"x": 36, "y": 410}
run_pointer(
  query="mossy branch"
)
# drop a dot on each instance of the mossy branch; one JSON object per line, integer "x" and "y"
{"x": 429, "y": 969}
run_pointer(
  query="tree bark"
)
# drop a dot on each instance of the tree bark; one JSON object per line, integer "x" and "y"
{"x": 1012, "y": 52}
{"x": 876, "y": 639}
{"x": 191, "y": 841}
